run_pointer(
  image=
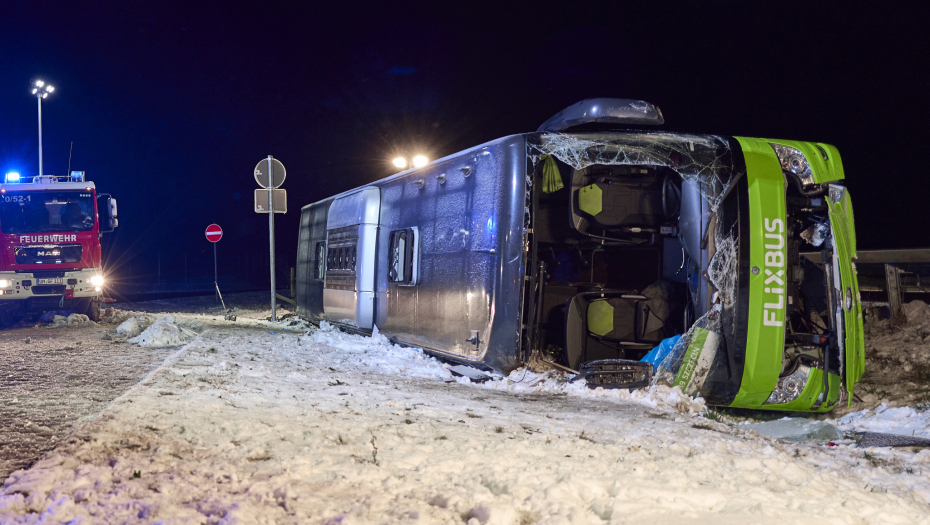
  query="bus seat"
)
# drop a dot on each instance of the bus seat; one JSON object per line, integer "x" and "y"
{"x": 629, "y": 203}
{"x": 615, "y": 324}
{"x": 613, "y": 318}
{"x": 614, "y": 204}
{"x": 603, "y": 325}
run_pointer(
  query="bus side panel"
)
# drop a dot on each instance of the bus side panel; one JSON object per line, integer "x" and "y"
{"x": 450, "y": 299}
{"x": 470, "y": 242}
{"x": 397, "y": 305}
{"x": 311, "y": 236}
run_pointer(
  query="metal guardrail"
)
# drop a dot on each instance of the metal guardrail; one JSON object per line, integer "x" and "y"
{"x": 909, "y": 255}
{"x": 901, "y": 271}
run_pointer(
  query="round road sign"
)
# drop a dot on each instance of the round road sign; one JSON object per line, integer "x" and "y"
{"x": 278, "y": 173}
{"x": 214, "y": 233}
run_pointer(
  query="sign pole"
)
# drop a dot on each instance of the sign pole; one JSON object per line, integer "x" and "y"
{"x": 214, "y": 233}
{"x": 271, "y": 237}
{"x": 40, "y": 136}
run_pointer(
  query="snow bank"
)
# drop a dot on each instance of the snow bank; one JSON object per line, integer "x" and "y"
{"x": 377, "y": 352}
{"x": 523, "y": 381}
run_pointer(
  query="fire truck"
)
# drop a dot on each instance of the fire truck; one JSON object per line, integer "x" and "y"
{"x": 50, "y": 230}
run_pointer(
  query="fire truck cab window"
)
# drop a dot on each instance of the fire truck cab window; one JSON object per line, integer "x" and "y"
{"x": 403, "y": 257}
{"x": 46, "y": 211}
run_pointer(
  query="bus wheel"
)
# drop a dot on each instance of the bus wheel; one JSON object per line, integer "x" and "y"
{"x": 92, "y": 310}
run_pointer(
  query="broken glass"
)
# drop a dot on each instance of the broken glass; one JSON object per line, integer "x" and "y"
{"x": 705, "y": 159}
{"x": 687, "y": 365}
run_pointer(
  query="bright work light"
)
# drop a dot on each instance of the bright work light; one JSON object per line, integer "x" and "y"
{"x": 400, "y": 162}
{"x": 419, "y": 161}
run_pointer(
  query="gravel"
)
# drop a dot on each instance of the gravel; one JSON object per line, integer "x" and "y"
{"x": 54, "y": 379}
{"x": 57, "y": 379}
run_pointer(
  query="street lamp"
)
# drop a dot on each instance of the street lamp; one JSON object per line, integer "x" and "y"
{"x": 41, "y": 90}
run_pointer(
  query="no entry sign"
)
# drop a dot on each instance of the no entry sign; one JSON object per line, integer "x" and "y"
{"x": 214, "y": 233}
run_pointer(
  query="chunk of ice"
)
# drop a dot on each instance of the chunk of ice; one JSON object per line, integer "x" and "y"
{"x": 797, "y": 429}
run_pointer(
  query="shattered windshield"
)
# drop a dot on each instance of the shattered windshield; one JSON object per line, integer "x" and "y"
{"x": 705, "y": 159}
{"x": 46, "y": 211}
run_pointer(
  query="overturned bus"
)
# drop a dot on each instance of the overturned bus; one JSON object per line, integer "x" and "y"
{"x": 598, "y": 241}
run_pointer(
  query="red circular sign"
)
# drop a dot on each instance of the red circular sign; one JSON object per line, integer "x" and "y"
{"x": 214, "y": 233}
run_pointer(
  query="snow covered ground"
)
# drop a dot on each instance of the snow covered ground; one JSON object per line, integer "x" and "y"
{"x": 52, "y": 377}
{"x": 260, "y": 422}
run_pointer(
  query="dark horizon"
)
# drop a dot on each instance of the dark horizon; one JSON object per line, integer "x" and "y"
{"x": 170, "y": 107}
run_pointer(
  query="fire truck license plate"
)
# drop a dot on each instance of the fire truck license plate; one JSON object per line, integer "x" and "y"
{"x": 52, "y": 280}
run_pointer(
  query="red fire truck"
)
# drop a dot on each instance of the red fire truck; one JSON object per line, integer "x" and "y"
{"x": 50, "y": 229}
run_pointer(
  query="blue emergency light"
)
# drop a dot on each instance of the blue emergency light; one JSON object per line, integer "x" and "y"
{"x": 11, "y": 177}
{"x": 77, "y": 176}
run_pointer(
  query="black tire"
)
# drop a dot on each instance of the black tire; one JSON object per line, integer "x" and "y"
{"x": 92, "y": 310}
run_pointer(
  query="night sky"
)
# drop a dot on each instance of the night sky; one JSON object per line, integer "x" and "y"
{"x": 170, "y": 107}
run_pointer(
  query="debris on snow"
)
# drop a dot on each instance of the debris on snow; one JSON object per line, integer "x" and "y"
{"x": 164, "y": 332}
{"x": 60, "y": 321}
{"x": 796, "y": 429}
{"x": 897, "y": 371}
{"x": 903, "y": 421}
{"x": 918, "y": 317}
{"x": 134, "y": 326}
{"x": 470, "y": 372}
{"x": 49, "y": 316}
{"x": 876, "y": 439}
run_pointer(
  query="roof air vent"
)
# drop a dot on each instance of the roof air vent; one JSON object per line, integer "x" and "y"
{"x": 606, "y": 111}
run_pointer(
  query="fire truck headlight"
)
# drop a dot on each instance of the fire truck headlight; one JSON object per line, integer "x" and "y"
{"x": 5, "y": 283}
{"x": 97, "y": 280}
